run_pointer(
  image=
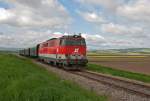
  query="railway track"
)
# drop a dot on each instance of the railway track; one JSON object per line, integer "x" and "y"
{"x": 132, "y": 86}
{"x": 127, "y": 85}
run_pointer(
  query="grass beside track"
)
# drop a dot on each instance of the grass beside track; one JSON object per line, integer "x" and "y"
{"x": 22, "y": 80}
{"x": 121, "y": 73}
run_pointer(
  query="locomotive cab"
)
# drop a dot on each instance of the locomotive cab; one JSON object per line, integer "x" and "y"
{"x": 74, "y": 49}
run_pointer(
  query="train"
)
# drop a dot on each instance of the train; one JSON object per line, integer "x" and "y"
{"x": 68, "y": 52}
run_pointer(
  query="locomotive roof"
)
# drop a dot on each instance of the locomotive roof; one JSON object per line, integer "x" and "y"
{"x": 67, "y": 36}
{"x": 52, "y": 39}
{"x": 71, "y": 36}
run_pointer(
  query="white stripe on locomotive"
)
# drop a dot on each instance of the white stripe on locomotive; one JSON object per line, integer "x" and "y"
{"x": 62, "y": 56}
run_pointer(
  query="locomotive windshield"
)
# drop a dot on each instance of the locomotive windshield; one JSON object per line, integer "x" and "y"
{"x": 68, "y": 42}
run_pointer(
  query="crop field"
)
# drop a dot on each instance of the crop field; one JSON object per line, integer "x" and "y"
{"x": 117, "y": 56}
{"x": 132, "y": 63}
{"x": 119, "y": 73}
{"x": 21, "y": 80}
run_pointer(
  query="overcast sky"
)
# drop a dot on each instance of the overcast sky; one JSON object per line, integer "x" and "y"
{"x": 104, "y": 23}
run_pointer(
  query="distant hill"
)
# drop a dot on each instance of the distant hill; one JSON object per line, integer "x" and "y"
{"x": 135, "y": 51}
{"x": 141, "y": 50}
{"x": 9, "y": 49}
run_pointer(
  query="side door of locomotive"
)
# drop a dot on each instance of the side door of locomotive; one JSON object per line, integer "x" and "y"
{"x": 58, "y": 44}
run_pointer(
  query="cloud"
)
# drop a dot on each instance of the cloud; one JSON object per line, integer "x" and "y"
{"x": 119, "y": 23}
{"x": 108, "y": 4}
{"x": 27, "y": 38}
{"x": 4, "y": 14}
{"x": 31, "y": 38}
{"x": 27, "y": 13}
{"x": 93, "y": 37}
{"x": 29, "y": 22}
{"x": 57, "y": 34}
{"x": 94, "y": 41}
{"x": 137, "y": 10}
{"x": 121, "y": 29}
{"x": 92, "y": 17}
{"x": 23, "y": 39}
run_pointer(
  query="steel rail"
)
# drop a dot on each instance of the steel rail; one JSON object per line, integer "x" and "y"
{"x": 128, "y": 85}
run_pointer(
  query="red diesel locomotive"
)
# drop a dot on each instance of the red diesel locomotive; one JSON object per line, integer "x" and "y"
{"x": 67, "y": 51}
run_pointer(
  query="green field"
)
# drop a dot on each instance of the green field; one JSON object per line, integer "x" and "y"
{"x": 21, "y": 80}
{"x": 121, "y": 73}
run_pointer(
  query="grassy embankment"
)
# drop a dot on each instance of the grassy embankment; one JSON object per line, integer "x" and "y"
{"x": 21, "y": 80}
{"x": 121, "y": 73}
